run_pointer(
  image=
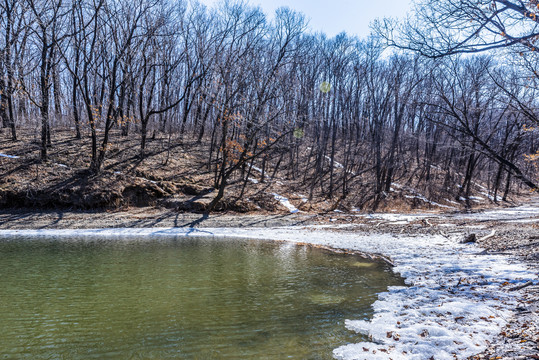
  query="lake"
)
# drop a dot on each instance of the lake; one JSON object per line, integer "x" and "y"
{"x": 182, "y": 298}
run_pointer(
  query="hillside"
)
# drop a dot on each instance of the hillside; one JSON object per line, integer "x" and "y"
{"x": 178, "y": 175}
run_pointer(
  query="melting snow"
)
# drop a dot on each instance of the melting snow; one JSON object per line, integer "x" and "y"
{"x": 421, "y": 197}
{"x": 336, "y": 164}
{"x": 417, "y": 195}
{"x": 284, "y": 201}
{"x": 519, "y": 213}
{"x": 491, "y": 197}
{"x": 397, "y": 217}
{"x": 456, "y": 303}
{"x": 476, "y": 198}
{"x": 9, "y": 156}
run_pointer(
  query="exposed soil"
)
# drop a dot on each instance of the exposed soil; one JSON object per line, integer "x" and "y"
{"x": 176, "y": 173}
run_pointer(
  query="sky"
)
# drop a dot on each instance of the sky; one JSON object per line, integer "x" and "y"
{"x": 335, "y": 16}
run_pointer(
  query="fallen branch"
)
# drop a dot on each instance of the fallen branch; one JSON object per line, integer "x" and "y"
{"x": 488, "y": 236}
{"x": 520, "y": 287}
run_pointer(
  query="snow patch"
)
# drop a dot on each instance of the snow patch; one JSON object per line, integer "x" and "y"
{"x": 336, "y": 164}
{"x": 433, "y": 203}
{"x": 397, "y": 217}
{"x": 286, "y": 203}
{"x": 9, "y": 156}
{"x": 491, "y": 197}
{"x": 419, "y": 196}
{"x": 519, "y": 213}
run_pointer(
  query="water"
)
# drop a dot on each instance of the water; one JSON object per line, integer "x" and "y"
{"x": 180, "y": 299}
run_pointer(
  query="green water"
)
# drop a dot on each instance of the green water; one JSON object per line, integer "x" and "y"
{"x": 180, "y": 299}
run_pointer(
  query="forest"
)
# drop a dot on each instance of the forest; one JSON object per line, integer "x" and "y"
{"x": 439, "y": 108}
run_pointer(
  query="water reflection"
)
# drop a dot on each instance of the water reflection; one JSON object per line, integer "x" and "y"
{"x": 194, "y": 298}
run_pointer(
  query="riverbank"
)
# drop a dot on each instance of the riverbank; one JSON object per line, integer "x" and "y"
{"x": 509, "y": 235}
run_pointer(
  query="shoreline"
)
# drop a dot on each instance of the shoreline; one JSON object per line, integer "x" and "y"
{"x": 356, "y": 229}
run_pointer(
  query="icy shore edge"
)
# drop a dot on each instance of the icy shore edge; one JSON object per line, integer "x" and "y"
{"x": 458, "y": 299}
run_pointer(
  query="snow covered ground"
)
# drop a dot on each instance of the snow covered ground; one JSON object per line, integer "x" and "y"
{"x": 457, "y": 300}
{"x": 525, "y": 213}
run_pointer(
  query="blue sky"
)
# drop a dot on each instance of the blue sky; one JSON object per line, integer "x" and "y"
{"x": 335, "y": 16}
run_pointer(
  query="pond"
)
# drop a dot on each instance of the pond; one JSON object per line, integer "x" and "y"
{"x": 181, "y": 298}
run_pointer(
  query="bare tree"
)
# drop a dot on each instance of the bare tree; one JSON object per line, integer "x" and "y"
{"x": 443, "y": 27}
{"x": 47, "y": 31}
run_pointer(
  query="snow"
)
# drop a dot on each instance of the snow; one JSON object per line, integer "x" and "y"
{"x": 9, "y": 156}
{"x": 456, "y": 301}
{"x": 397, "y": 217}
{"x": 286, "y": 203}
{"x": 254, "y": 181}
{"x": 473, "y": 198}
{"x": 417, "y": 195}
{"x": 491, "y": 197}
{"x": 336, "y": 164}
{"x": 519, "y": 214}
{"x": 256, "y": 168}
{"x": 476, "y": 198}
{"x": 433, "y": 203}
